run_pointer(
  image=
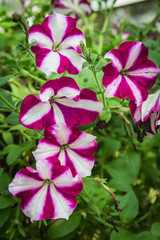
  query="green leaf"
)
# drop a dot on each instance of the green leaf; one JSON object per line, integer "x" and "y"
{"x": 155, "y": 229}
{"x": 5, "y": 79}
{"x": 113, "y": 104}
{"x": 5, "y": 201}
{"x": 122, "y": 235}
{"x": 64, "y": 228}
{"x": 129, "y": 205}
{"x": 14, "y": 153}
{"x": 7, "y": 137}
{"x": 108, "y": 147}
{"x": 4, "y": 214}
{"x": 4, "y": 182}
{"x": 105, "y": 115}
{"x": 145, "y": 236}
{"x": 13, "y": 118}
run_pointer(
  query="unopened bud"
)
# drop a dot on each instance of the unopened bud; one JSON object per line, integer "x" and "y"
{"x": 16, "y": 17}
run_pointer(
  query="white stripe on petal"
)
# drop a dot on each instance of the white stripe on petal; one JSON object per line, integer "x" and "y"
{"x": 57, "y": 24}
{"x": 82, "y": 165}
{"x": 36, "y": 113}
{"x": 61, "y": 132}
{"x": 61, "y": 205}
{"x": 147, "y": 105}
{"x": 57, "y": 113}
{"x": 84, "y": 141}
{"x": 68, "y": 92}
{"x": 112, "y": 88}
{"x": 114, "y": 59}
{"x": 62, "y": 157}
{"x": 34, "y": 209}
{"x": 135, "y": 91}
{"x": 148, "y": 72}
{"x": 83, "y": 104}
{"x": 46, "y": 95}
{"x": 153, "y": 122}
{"x": 42, "y": 39}
{"x": 44, "y": 169}
{"x": 137, "y": 115}
{"x": 133, "y": 55}
{"x": 66, "y": 179}
{"x": 50, "y": 63}
{"x": 45, "y": 150}
{"x": 73, "y": 41}
{"x": 74, "y": 57}
{"x": 22, "y": 183}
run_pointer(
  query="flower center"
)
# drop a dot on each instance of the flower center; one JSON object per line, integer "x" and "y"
{"x": 55, "y": 48}
{"x": 124, "y": 72}
{"x": 64, "y": 146}
{"x": 48, "y": 180}
{"x": 51, "y": 100}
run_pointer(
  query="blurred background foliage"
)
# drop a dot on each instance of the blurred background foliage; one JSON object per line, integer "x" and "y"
{"x": 131, "y": 167}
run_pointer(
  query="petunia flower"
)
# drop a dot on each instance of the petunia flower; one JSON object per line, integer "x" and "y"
{"x": 148, "y": 111}
{"x": 48, "y": 192}
{"x": 73, "y": 148}
{"x": 130, "y": 72}
{"x": 72, "y": 7}
{"x": 60, "y": 100}
{"x": 57, "y": 48}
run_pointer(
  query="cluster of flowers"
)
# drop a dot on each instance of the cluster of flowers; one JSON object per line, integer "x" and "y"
{"x": 65, "y": 154}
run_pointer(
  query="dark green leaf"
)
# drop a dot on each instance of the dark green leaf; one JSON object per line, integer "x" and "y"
{"x": 68, "y": 226}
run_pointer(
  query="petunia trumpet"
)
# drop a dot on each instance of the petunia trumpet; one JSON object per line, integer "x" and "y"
{"x": 48, "y": 192}
{"x": 60, "y": 100}
{"x": 72, "y": 147}
{"x": 57, "y": 49}
{"x": 148, "y": 111}
{"x": 130, "y": 73}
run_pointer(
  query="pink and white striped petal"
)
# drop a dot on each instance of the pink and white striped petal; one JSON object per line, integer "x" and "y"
{"x": 73, "y": 148}
{"x": 44, "y": 192}
{"x": 84, "y": 111}
{"x": 35, "y": 114}
{"x": 57, "y": 48}
{"x": 62, "y": 87}
{"x": 130, "y": 73}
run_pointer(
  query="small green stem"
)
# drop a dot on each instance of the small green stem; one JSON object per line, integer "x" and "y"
{"x": 10, "y": 106}
{"x": 98, "y": 85}
{"x": 105, "y": 24}
{"x": 26, "y": 73}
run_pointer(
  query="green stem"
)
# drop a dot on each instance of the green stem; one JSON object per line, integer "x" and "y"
{"x": 98, "y": 85}
{"x": 10, "y": 106}
{"x": 26, "y": 73}
{"x": 105, "y": 24}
